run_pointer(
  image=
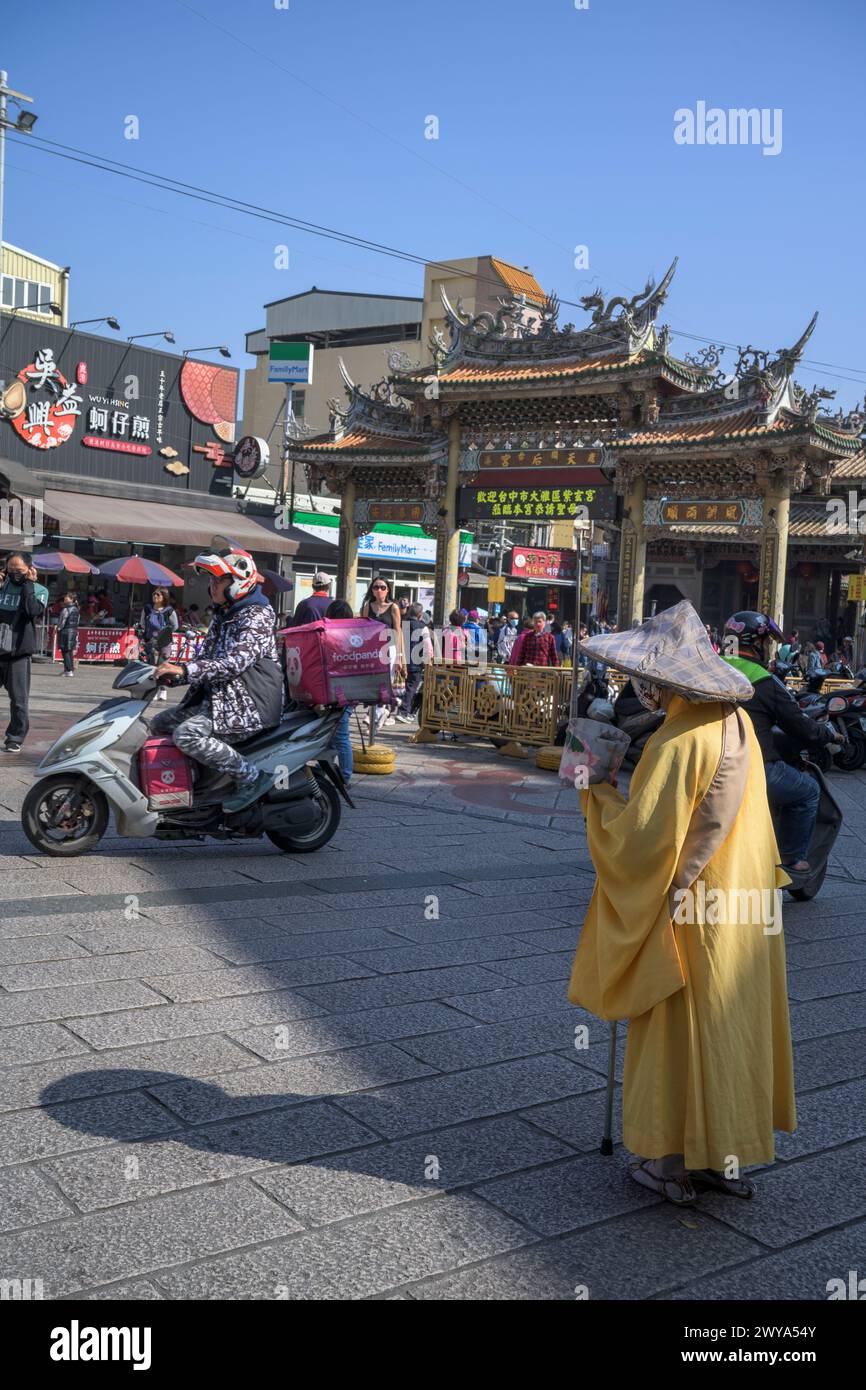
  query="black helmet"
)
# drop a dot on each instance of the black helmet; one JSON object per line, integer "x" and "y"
{"x": 750, "y": 628}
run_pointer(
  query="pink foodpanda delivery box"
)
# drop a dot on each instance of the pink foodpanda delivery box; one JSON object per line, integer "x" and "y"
{"x": 166, "y": 775}
{"x": 339, "y": 661}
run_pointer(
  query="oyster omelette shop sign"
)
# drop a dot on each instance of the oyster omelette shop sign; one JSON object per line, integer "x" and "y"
{"x": 96, "y": 407}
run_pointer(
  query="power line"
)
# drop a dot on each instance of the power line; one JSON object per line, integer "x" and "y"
{"x": 168, "y": 184}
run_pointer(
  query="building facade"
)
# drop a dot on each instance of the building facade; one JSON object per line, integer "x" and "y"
{"x": 33, "y": 287}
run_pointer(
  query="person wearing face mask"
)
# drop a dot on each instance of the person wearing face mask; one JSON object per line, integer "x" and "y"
{"x": 22, "y": 603}
{"x": 683, "y": 936}
{"x": 507, "y": 637}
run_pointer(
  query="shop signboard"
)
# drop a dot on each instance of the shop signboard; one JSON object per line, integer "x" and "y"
{"x": 120, "y": 644}
{"x": 95, "y": 407}
{"x": 384, "y": 541}
{"x": 291, "y": 363}
{"x": 420, "y": 549}
{"x": 531, "y": 564}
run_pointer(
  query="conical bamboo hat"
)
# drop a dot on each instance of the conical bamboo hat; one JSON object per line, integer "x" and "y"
{"x": 672, "y": 650}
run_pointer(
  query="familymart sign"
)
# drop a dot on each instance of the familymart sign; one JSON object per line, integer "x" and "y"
{"x": 291, "y": 363}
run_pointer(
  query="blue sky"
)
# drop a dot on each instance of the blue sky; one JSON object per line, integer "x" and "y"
{"x": 555, "y": 129}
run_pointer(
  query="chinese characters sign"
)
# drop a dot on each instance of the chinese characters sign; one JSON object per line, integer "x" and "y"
{"x": 535, "y": 504}
{"x": 540, "y": 458}
{"x": 411, "y": 512}
{"x": 51, "y": 404}
{"x": 730, "y": 513}
{"x": 118, "y": 428}
{"x": 543, "y": 564}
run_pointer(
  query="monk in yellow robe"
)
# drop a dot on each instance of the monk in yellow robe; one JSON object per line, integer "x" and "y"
{"x": 683, "y": 933}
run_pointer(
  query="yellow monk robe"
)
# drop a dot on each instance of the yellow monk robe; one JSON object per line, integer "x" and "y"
{"x": 708, "y": 1067}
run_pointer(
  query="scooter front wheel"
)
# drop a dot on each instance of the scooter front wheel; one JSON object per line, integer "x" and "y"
{"x": 64, "y": 816}
{"x": 852, "y": 755}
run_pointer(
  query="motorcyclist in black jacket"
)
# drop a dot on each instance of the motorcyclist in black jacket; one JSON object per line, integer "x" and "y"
{"x": 792, "y": 794}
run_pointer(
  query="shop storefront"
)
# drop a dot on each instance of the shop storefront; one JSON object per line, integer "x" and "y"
{"x": 399, "y": 552}
{"x": 108, "y": 448}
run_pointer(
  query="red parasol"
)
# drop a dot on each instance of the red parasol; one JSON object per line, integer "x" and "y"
{"x": 57, "y": 560}
{"x": 132, "y": 569}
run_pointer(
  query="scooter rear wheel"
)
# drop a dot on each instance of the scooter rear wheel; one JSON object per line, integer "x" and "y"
{"x": 329, "y": 800}
{"x": 78, "y": 832}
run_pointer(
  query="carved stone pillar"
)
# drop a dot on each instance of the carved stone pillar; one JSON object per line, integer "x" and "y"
{"x": 774, "y": 546}
{"x": 632, "y": 557}
{"x": 448, "y": 539}
{"x": 347, "y": 551}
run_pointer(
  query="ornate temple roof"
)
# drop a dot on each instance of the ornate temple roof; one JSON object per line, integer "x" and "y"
{"x": 499, "y": 361}
{"x": 488, "y": 343}
{"x": 742, "y": 426}
{"x": 850, "y": 468}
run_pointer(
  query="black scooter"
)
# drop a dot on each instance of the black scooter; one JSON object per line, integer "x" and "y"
{"x": 827, "y": 823}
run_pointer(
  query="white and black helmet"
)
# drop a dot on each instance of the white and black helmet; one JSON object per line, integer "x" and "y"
{"x": 238, "y": 563}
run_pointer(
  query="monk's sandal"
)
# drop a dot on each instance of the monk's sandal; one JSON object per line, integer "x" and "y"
{"x": 679, "y": 1191}
{"x": 732, "y": 1187}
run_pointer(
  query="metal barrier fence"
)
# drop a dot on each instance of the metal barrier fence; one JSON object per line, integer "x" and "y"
{"x": 523, "y": 704}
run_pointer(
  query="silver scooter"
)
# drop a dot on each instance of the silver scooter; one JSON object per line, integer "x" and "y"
{"x": 93, "y": 769}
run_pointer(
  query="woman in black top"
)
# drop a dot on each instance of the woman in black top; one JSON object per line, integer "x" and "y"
{"x": 67, "y": 632}
{"x": 379, "y": 606}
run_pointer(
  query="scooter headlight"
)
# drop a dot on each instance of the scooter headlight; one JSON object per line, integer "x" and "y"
{"x": 68, "y": 746}
{"x": 837, "y": 704}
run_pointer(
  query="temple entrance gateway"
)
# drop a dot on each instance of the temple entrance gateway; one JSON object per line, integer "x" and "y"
{"x": 707, "y": 484}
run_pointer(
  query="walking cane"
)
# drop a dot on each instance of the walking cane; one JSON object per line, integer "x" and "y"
{"x": 607, "y": 1137}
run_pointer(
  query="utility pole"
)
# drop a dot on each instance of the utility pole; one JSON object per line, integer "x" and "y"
{"x": 24, "y": 123}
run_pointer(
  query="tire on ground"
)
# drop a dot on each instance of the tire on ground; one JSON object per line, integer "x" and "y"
{"x": 374, "y": 754}
{"x": 378, "y": 761}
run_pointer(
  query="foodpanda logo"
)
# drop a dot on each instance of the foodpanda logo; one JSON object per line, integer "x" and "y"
{"x": 355, "y": 639}
{"x": 167, "y": 778}
{"x": 293, "y": 665}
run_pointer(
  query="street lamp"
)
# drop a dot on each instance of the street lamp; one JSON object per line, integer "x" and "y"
{"x": 24, "y": 122}
{"x": 34, "y": 308}
{"x": 106, "y": 318}
{"x": 166, "y": 334}
{"x": 215, "y": 347}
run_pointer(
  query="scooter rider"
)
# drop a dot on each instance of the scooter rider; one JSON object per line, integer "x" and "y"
{"x": 237, "y": 684}
{"x": 789, "y": 791}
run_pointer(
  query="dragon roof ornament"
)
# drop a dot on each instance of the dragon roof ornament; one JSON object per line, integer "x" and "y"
{"x": 378, "y": 410}
{"x": 619, "y": 325}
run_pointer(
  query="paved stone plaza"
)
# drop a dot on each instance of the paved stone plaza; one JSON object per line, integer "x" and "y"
{"x": 228, "y": 1073}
